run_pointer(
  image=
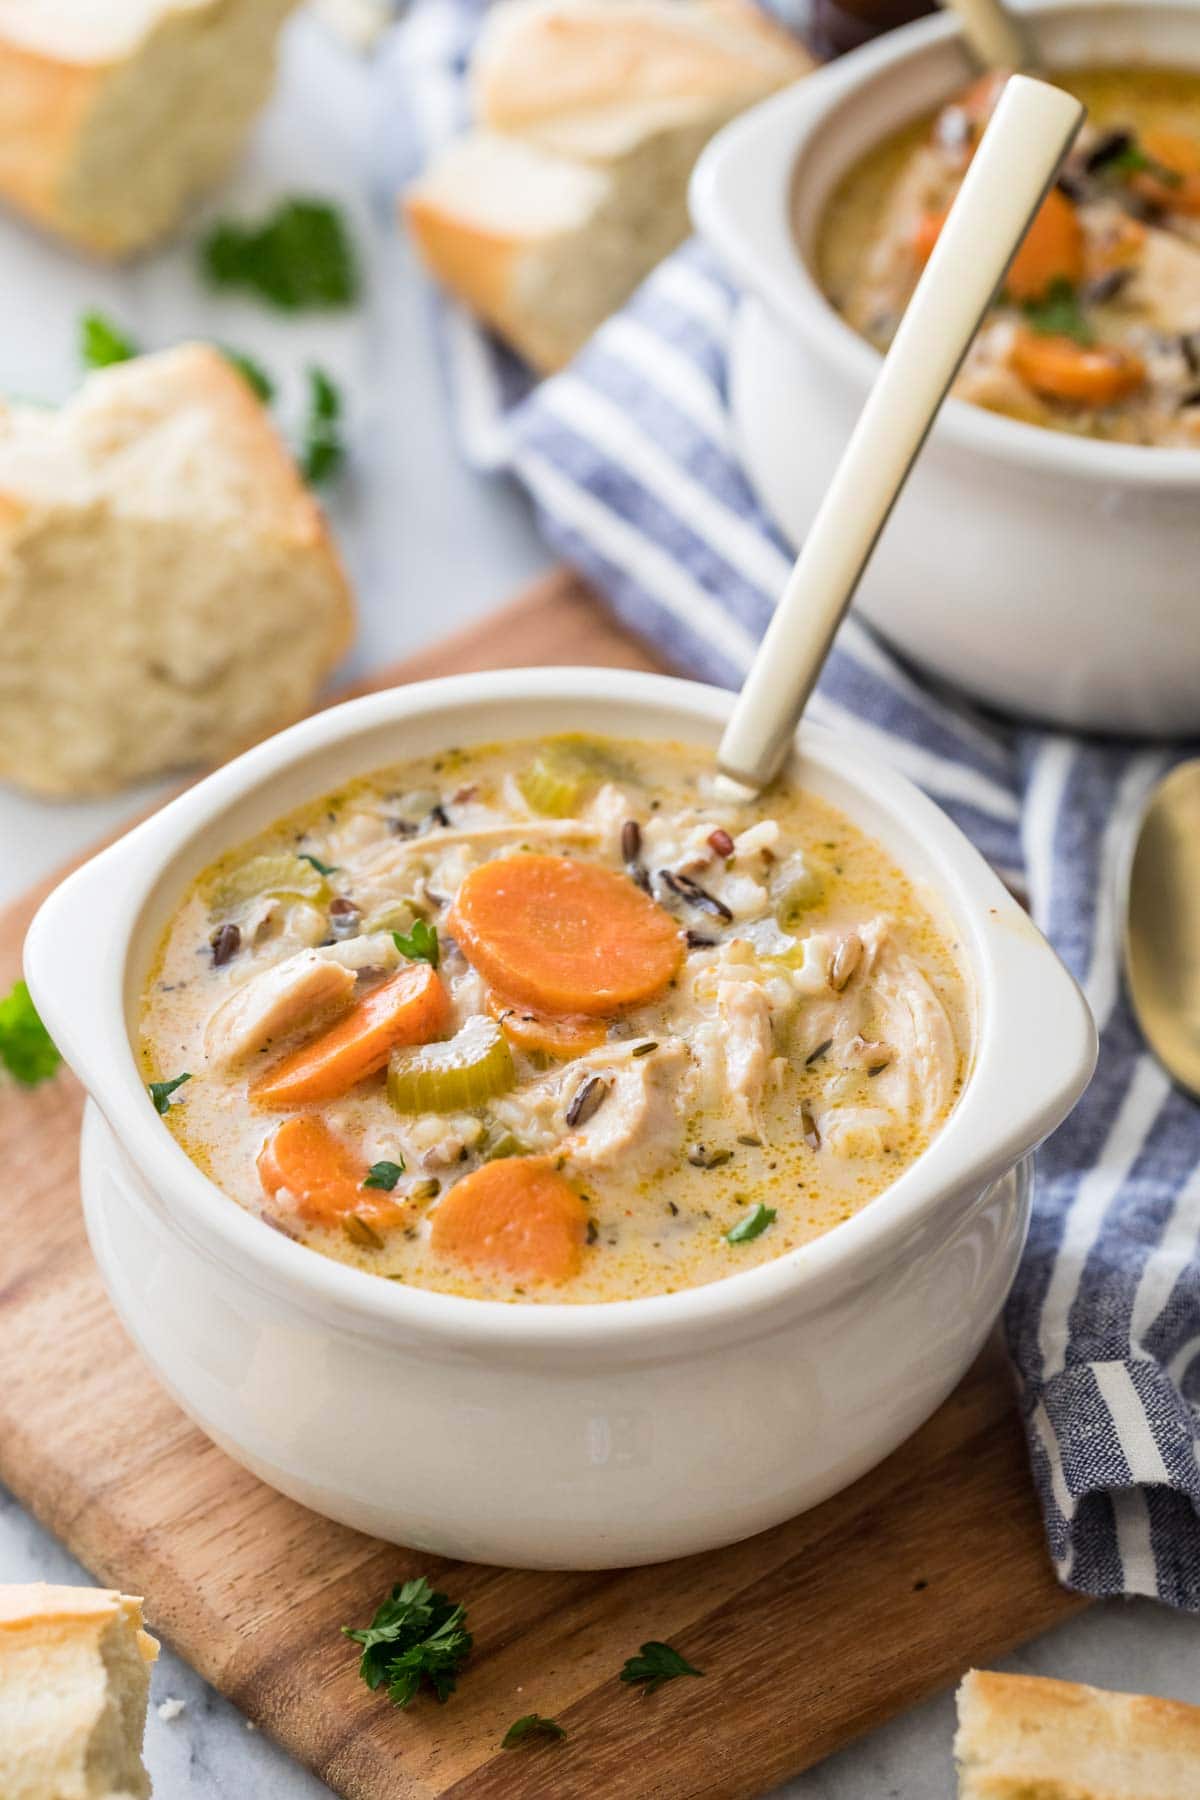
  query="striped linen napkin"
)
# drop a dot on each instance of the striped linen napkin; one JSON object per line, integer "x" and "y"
{"x": 628, "y": 457}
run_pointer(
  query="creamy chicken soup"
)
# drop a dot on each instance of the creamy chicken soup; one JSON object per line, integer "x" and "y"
{"x": 553, "y": 1021}
{"x": 1097, "y": 330}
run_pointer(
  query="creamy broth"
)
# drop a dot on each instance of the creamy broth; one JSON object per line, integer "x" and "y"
{"x": 1098, "y": 329}
{"x": 808, "y": 1033}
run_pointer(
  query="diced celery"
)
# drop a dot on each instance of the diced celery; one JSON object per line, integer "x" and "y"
{"x": 799, "y": 898}
{"x": 458, "y": 1075}
{"x": 393, "y": 915}
{"x": 285, "y": 876}
{"x": 563, "y": 772}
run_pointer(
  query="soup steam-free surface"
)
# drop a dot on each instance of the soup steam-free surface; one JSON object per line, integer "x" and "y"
{"x": 743, "y": 1025}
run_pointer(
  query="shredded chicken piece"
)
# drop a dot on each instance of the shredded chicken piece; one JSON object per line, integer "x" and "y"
{"x": 639, "y": 1125}
{"x": 748, "y": 1045}
{"x": 273, "y": 1004}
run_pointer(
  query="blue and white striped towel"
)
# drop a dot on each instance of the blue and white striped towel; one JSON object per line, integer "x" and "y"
{"x": 629, "y": 460}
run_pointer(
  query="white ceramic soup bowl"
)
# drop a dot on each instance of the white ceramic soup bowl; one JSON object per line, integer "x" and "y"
{"x": 553, "y": 1436}
{"x": 1050, "y": 575}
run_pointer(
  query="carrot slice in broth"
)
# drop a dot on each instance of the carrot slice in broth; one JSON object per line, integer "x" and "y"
{"x": 321, "y": 1175}
{"x": 564, "y": 936}
{"x": 1061, "y": 369}
{"x": 410, "y": 1007}
{"x": 518, "y": 1217}
{"x": 565, "y": 1036}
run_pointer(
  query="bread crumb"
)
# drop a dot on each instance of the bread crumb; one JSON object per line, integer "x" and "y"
{"x": 170, "y": 1708}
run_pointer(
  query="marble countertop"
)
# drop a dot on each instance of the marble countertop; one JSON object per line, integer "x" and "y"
{"x": 430, "y": 545}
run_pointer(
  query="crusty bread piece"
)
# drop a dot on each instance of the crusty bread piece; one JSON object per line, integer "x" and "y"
{"x": 168, "y": 588}
{"x": 591, "y": 114}
{"x": 115, "y": 114}
{"x": 74, "y": 1682}
{"x": 1021, "y": 1737}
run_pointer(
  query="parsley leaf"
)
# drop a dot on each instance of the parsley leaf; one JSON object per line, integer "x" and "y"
{"x": 322, "y": 868}
{"x": 752, "y": 1225}
{"x": 384, "y": 1175}
{"x": 420, "y": 944}
{"x": 1133, "y": 160}
{"x": 253, "y": 372}
{"x": 161, "y": 1091}
{"x": 655, "y": 1664}
{"x": 416, "y": 1636}
{"x": 323, "y": 452}
{"x": 300, "y": 256}
{"x": 1058, "y": 313}
{"x": 26, "y": 1049}
{"x": 102, "y": 343}
{"x": 533, "y": 1725}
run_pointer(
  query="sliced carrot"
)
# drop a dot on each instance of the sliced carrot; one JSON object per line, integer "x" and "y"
{"x": 926, "y": 233}
{"x": 564, "y": 1036}
{"x": 1061, "y": 369}
{"x": 1051, "y": 250}
{"x": 411, "y": 1007}
{"x": 517, "y": 1216}
{"x": 565, "y": 937}
{"x": 321, "y": 1175}
{"x": 1178, "y": 153}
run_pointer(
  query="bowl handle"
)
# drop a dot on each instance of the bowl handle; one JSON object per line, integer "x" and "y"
{"x": 74, "y": 960}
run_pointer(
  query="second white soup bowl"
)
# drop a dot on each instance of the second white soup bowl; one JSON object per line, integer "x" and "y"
{"x": 553, "y": 1436}
{"x": 1048, "y": 574}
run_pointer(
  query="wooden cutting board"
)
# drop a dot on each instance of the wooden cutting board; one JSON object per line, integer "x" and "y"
{"x": 808, "y": 1634}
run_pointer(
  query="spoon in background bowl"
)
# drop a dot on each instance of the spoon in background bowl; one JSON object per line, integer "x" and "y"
{"x": 1017, "y": 159}
{"x": 995, "y": 38}
{"x": 1162, "y": 924}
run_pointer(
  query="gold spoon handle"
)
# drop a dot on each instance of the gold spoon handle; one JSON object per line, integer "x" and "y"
{"x": 1006, "y": 183}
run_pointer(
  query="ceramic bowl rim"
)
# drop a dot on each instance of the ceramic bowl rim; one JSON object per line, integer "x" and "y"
{"x": 78, "y": 983}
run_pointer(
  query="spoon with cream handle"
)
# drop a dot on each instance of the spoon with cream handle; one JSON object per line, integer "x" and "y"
{"x": 1162, "y": 924}
{"x": 996, "y": 39}
{"x": 1009, "y": 175}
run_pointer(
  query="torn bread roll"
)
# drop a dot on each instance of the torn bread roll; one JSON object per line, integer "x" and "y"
{"x": 169, "y": 591}
{"x": 1021, "y": 1736}
{"x": 590, "y": 115}
{"x": 115, "y": 114}
{"x": 74, "y": 1684}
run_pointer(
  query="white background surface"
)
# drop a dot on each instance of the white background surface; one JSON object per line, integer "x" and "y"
{"x": 431, "y": 546}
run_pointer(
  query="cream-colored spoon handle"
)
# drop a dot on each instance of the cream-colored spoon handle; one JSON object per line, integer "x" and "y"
{"x": 1009, "y": 175}
{"x": 997, "y": 39}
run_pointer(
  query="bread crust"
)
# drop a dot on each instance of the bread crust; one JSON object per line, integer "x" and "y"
{"x": 538, "y": 60}
{"x": 624, "y": 93}
{"x": 64, "y": 89}
{"x": 1027, "y": 1737}
{"x": 169, "y": 589}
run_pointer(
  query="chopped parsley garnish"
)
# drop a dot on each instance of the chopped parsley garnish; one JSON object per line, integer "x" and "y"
{"x": 753, "y": 1225}
{"x": 322, "y": 868}
{"x": 1133, "y": 160}
{"x": 533, "y": 1725}
{"x": 420, "y": 944}
{"x": 301, "y": 256}
{"x": 384, "y": 1175}
{"x": 656, "y": 1663}
{"x": 161, "y": 1091}
{"x": 416, "y": 1637}
{"x": 102, "y": 343}
{"x": 253, "y": 372}
{"x": 1058, "y": 313}
{"x": 26, "y": 1048}
{"x": 323, "y": 451}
